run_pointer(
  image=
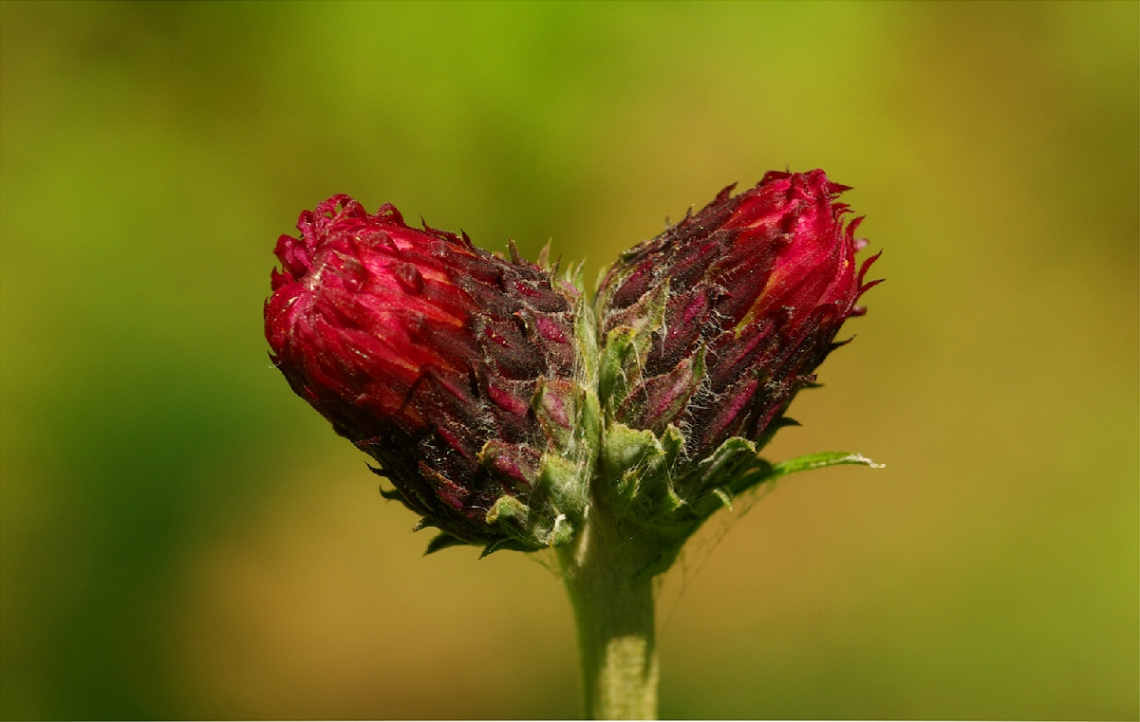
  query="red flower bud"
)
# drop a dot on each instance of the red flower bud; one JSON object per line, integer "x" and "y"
{"x": 430, "y": 355}
{"x": 717, "y": 323}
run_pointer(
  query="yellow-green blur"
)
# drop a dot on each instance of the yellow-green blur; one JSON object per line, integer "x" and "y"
{"x": 182, "y": 537}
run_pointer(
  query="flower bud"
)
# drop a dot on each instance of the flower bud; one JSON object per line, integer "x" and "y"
{"x": 458, "y": 371}
{"x": 710, "y": 330}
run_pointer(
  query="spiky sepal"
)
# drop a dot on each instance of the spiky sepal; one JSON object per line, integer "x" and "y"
{"x": 650, "y": 485}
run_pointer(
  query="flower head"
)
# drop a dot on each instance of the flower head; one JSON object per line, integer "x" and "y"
{"x": 710, "y": 330}
{"x": 453, "y": 368}
{"x": 735, "y": 307}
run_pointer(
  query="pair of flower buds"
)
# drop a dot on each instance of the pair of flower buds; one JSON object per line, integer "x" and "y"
{"x": 503, "y": 406}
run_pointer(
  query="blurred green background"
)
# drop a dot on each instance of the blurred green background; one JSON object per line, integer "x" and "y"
{"x": 183, "y": 537}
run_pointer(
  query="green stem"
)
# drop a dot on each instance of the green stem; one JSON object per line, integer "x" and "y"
{"x": 612, "y": 596}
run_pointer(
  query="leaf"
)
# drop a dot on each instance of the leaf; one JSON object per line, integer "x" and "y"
{"x": 820, "y": 460}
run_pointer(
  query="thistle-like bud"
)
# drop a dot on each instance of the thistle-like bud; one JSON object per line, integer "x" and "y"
{"x": 710, "y": 330}
{"x": 465, "y": 375}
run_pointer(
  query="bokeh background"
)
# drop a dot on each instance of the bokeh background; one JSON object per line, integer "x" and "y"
{"x": 183, "y": 537}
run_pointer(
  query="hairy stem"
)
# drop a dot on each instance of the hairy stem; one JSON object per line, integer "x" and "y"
{"x": 612, "y": 596}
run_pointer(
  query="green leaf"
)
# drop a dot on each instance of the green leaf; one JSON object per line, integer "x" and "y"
{"x": 820, "y": 460}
